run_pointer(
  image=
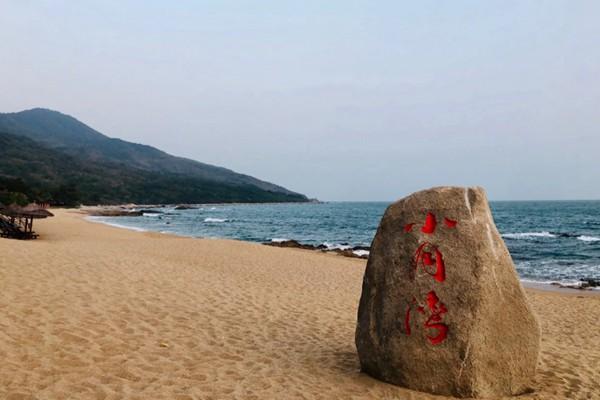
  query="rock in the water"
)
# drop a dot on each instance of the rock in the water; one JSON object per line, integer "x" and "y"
{"x": 150, "y": 211}
{"x": 442, "y": 309}
{"x": 590, "y": 283}
{"x": 185, "y": 207}
{"x": 354, "y": 252}
{"x": 110, "y": 211}
{"x": 291, "y": 244}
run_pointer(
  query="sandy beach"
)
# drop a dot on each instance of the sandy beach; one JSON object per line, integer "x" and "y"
{"x": 90, "y": 311}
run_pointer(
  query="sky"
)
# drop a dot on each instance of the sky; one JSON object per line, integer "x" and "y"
{"x": 339, "y": 100}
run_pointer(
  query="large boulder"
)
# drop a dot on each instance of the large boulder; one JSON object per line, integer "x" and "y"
{"x": 442, "y": 309}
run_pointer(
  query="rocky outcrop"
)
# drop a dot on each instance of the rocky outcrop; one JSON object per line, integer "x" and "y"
{"x": 442, "y": 309}
{"x": 353, "y": 252}
{"x": 109, "y": 211}
{"x": 291, "y": 244}
{"x": 185, "y": 207}
{"x": 583, "y": 284}
{"x": 150, "y": 211}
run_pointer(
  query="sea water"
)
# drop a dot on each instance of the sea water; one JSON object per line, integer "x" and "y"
{"x": 550, "y": 241}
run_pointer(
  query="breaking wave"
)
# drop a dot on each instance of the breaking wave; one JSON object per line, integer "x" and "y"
{"x": 215, "y": 220}
{"x": 586, "y": 238}
{"x": 529, "y": 235}
{"x": 336, "y": 246}
{"x": 101, "y": 220}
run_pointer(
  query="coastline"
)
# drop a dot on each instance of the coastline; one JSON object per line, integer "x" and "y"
{"x": 563, "y": 290}
{"x": 94, "y": 311}
{"x": 358, "y": 252}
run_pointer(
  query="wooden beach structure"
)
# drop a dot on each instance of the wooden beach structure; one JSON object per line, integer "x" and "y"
{"x": 16, "y": 222}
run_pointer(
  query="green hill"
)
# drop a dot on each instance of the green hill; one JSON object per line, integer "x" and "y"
{"x": 55, "y": 155}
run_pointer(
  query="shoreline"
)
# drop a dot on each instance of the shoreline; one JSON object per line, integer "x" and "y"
{"x": 554, "y": 286}
{"x": 94, "y": 311}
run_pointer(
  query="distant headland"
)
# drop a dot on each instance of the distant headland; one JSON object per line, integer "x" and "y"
{"x": 50, "y": 157}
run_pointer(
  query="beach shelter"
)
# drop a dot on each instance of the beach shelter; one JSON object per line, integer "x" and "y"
{"x": 17, "y": 221}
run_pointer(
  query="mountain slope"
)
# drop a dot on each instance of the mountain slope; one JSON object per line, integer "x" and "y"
{"x": 46, "y": 174}
{"x": 68, "y": 135}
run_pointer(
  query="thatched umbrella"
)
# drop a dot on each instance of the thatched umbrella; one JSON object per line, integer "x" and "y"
{"x": 36, "y": 211}
{"x": 25, "y": 215}
{"x": 33, "y": 210}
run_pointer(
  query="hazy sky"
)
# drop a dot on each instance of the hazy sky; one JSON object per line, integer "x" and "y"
{"x": 340, "y": 100}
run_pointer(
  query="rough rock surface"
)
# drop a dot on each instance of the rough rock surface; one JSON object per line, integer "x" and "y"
{"x": 442, "y": 309}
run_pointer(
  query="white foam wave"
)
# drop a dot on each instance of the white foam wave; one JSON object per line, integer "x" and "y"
{"x": 537, "y": 281}
{"x": 151, "y": 215}
{"x": 361, "y": 253}
{"x": 279, "y": 240}
{"x": 552, "y": 284}
{"x": 100, "y": 221}
{"x": 528, "y": 235}
{"x": 331, "y": 246}
{"x": 586, "y": 238}
{"x": 215, "y": 220}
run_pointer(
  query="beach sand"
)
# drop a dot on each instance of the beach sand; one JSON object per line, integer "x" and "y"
{"x": 90, "y": 311}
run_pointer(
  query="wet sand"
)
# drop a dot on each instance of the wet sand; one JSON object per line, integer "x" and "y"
{"x": 90, "y": 311}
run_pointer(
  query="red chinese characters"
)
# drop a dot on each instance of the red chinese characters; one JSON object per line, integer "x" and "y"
{"x": 433, "y": 310}
{"x": 436, "y": 310}
{"x": 450, "y": 223}
{"x": 430, "y": 224}
{"x": 429, "y": 258}
{"x": 426, "y": 256}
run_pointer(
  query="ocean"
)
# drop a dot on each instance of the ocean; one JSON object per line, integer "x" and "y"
{"x": 550, "y": 241}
